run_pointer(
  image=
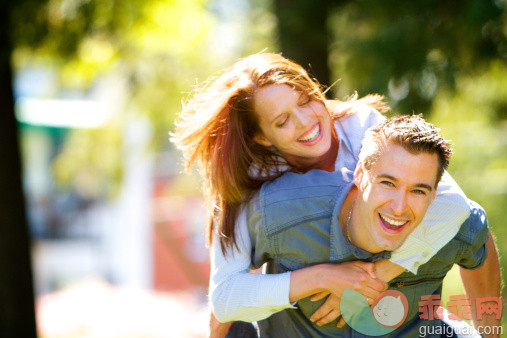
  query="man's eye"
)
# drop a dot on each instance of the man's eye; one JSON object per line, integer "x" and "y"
{"x": 387, "y": 183}
{"x": 419, "y": 192}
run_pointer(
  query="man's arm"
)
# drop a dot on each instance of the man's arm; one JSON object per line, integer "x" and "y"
{"x": 484, "y": 282}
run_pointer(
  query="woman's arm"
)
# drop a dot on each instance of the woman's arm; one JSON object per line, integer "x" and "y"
{"x": 383, "y": 270}
{"x": 335, "y": 278}
{"x": 237, "y": 294}
{"x": 441, "y": 223}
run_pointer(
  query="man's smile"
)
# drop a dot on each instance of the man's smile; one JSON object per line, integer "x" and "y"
{"x": 392, "y": 225}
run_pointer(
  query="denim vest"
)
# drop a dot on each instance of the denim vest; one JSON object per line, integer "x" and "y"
{"x": 293, "y": 223}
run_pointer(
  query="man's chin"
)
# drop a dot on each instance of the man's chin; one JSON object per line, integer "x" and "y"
{"x": 390, "y": 246}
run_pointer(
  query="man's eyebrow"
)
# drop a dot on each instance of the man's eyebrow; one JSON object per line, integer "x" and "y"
{"x": 418, "y": 185}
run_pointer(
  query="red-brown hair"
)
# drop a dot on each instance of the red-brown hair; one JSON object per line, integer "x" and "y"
{"x": 216, "y": 130}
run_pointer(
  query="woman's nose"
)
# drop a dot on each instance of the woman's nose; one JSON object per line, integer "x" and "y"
{"x": 303, "y": 119}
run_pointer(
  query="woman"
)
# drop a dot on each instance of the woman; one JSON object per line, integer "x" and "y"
{"x": 262, "y": 117}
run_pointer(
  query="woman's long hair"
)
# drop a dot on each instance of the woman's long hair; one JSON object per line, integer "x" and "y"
{"x": 216, "y": 130}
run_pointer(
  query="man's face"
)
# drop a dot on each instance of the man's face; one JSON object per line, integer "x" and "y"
{"x": 393, "y": 196}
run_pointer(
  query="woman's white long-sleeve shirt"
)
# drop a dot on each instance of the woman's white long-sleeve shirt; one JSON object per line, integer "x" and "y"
{"x": 236, "y": 294}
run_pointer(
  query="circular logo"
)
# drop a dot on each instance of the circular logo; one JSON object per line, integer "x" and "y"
{"x": 390, "y": 309}
{"x": 386, "y": 314}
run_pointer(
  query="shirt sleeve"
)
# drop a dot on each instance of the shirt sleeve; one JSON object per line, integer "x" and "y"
{"x": 237, "y": 294}
{"x": 476, "y": 232}
{"x": 356, "y": 125}
{"x": 441, "y": 223}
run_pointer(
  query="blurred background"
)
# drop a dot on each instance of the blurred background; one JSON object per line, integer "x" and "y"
{"x": 96, "y": 202}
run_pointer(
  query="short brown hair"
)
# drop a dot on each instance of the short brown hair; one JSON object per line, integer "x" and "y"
{"x": 411, "y": 132}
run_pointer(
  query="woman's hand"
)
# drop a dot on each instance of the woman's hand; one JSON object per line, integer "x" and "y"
{"x": 358, "y": 276}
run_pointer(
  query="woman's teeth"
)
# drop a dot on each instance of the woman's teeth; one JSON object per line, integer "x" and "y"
{"x": 392, "y": 221}
{"x": 312, "y": 134}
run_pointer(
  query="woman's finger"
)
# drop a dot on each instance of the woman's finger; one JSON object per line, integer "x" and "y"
{"x": 369, "y": 293}
{"x": 319, "y": 296}
{"x": 341, "y": 322}
{"x": 329, "y": 317}
{"x": 331, "y": 304}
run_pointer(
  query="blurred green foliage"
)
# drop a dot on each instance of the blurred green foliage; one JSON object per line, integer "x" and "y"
{"x": 152, "y": 50}
{"x": 155, "y": 51}
{"x": 413, "y": 50}
{"x": 474, "y": 118}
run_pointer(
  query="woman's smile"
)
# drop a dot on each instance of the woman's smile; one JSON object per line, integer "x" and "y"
{"x": 312, "y": 136}
{"x": 297, "y": 125}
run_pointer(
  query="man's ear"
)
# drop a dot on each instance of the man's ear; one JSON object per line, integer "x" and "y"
{"x": 263, "y": 141}
{"x": 434, "y": 194}
{"x": 358, "y": 174}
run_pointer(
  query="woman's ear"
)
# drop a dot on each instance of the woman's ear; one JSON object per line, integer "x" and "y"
{"x": 263, "y": 141}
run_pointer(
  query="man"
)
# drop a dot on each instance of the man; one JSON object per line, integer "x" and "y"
{"x": 302, "y": 220}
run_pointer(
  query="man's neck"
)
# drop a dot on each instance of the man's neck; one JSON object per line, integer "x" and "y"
{"x": 349, "y": 221}
{"x": 345, "y": 217}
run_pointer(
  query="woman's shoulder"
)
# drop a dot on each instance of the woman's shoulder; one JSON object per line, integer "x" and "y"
{"x": 361, "y": 116}
{"x": 357, "y": 120}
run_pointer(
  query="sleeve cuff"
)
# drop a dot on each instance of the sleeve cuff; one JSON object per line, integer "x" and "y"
{"x": 412, "y": 254}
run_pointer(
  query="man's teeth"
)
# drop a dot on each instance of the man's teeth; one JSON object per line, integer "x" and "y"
{"x": 392, "y": 221}
{"x": 313, "y": 135}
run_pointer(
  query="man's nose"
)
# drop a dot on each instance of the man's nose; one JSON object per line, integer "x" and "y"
{"x": 399, "y": 203}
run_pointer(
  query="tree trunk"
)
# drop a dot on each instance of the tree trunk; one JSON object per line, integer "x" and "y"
{"x": 17, "y": 315}
{"x": 303, "y": 34}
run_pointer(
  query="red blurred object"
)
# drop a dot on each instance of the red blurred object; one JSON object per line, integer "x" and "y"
{"x": 174, "y": 267}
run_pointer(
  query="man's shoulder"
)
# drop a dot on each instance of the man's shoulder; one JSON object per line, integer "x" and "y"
{"x": 296, "y": 198}
{"x": 297, "y": 185}
{"x": 475, "y": 226}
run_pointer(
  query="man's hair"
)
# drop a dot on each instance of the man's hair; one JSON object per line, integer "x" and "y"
{"x": 412, "y": 133}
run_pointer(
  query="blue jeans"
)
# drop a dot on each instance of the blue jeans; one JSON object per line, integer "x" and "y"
{"x": 243, "y": 330}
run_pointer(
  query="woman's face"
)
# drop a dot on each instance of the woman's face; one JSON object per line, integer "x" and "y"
{"x": 298, "y": 126}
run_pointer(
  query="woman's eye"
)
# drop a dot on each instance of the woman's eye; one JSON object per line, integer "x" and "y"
{"x": 281, "y": 124}
{"x": 304, "y": 99}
